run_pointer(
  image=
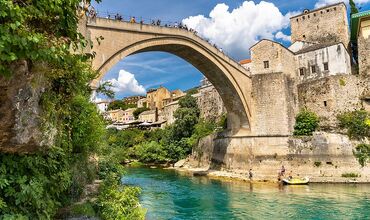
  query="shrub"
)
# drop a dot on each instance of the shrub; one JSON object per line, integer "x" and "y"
{"x": 317, "y": 163}
{"x": 306, "y": 123}
{"x": 118, "y": 202}
{"x": 362, "y": 153}
{"x": 150, "y": 152}
{"x": 356, "y": 123}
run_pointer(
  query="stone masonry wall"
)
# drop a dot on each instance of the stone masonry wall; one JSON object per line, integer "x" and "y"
{"x": 327, "y": 24}
{"x": 274, "y": 104}
{"x": 364, "y": 55}
{"x": 279, "y": 58}
{"x": 333, "y": 95}
{"x": 323, "y": 157}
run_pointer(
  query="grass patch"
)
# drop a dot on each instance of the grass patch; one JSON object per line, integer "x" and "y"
{"x": 350, "y": 175}
{"x": 84, "y": 209}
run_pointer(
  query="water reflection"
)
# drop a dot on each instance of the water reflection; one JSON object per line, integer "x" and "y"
{"x": 170, "y": 195}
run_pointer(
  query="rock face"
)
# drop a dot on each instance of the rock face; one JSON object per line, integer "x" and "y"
{"x": 20, "y": 122}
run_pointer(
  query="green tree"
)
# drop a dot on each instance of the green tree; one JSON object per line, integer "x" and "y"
{"x": 118, "y": 104}
{"x": 354, "y": 8}
{"x": 357, "y": 123}
{"x": 306, "y": 123}
{"x": 187, "y": 116}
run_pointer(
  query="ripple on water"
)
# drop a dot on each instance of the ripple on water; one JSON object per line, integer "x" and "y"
{"x": 169, "y": 195}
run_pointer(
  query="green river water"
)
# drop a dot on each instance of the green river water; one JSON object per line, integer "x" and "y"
{"x": 167, "y": 194}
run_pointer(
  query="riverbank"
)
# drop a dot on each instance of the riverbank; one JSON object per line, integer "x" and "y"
{"x": 323, "y": 157}
{"x": 243, "y": 176}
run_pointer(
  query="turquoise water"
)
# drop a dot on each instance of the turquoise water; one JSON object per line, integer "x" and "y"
{"x": 167, "y": 194}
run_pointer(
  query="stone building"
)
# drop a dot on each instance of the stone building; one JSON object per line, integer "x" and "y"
{"x": 114, "y": 115}
{"x": 149, "y": 116}
{"x": 314, "y": 72}
{"x": 120, "y": 116}
{"x": 132, "y": 100}
{"x": 128, "y": 116}
{"x": 102, "y": 105}
{"x": 323, "y": 25}
{"x": 320, "y": 60}
{"x": 155, "y": 97}
{"x": 168, "y": 112}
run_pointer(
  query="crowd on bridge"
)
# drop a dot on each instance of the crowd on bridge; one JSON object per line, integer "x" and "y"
{"x": 155, "y": 22}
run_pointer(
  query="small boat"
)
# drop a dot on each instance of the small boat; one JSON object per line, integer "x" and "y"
{"x": 296, "y": 181}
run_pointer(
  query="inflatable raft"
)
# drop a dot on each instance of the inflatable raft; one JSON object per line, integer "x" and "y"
{"x": 296, "y": 181}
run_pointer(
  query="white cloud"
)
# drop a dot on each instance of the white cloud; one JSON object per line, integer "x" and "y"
{"x": 282, "y": 36}
{"x": 127, "y": 84}
{"x": 322, "y": 3}
{"x": 235, "y": 31}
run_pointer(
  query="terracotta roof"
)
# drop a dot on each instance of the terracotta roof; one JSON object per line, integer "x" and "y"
{"x": 245, "y": 61}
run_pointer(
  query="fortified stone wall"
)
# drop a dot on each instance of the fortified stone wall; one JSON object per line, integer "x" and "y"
{"x": 323, "y": 25}
{"x": 325, "y": 157}
{"x": 333, "y": 95}
{"x": 278, "y": 58}
{"x": 274, "y": 104}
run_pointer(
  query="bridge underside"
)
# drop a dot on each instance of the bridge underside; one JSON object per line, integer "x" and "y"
{"x": 123, "y": 39}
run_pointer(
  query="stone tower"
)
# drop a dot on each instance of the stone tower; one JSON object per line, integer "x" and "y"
{"x": 328, "y": 24}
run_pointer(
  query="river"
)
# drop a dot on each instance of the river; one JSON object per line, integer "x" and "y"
{"x": 167, "y": 194}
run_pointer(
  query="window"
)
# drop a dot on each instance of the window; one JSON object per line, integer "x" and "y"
{"x": 314, "y": 14}
{"x": 301, "y": 71}
{"x": 303, "y": 17}
{"x": 297, "y": 19}
{"x": 313, "y": 69}
{"x": 304, "y": 36}
{"x": 326, "y": 66}
{"x": 325, "y": 104}
{"x": 266, "y": 64}
{"x": 308, "y": 16}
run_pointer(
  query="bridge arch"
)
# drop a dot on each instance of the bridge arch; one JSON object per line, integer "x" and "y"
{"x": 124, "y": 39}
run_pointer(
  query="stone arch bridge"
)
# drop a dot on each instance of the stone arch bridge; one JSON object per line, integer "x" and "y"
{"x": 122, "y": 39}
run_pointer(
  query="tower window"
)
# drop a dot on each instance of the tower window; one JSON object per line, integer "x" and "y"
{"x": 301, "y": 71}
{"x": 326, "y": 66}
{"x": 325, "y": 104}
{"x": 314, "y": 14}
{"x": 304, "y": 36}
{"x": 313, "y": 69}
{"x": 297, "y": 19}
{"x": 266, "y": 64}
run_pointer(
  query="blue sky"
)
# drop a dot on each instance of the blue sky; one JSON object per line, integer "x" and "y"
{"x": 153, "y": 69}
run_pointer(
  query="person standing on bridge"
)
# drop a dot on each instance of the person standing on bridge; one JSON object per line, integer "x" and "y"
{"x": 132, "y": 20}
